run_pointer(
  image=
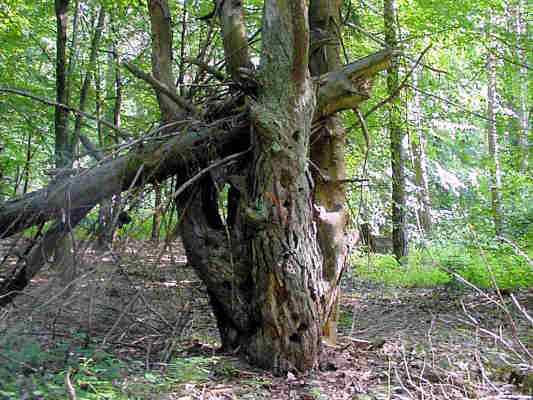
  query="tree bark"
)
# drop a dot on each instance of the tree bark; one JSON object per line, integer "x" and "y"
{"x": 268, "y": 293}
{"x": 397, "y": 137}
{"x": 327, "y": 154}
{"x": 522, "y": 44}
{"x": 63, "y": 257}
{"x": 62, "y": 149}
{"x": 288, "y": 300}
{"x": 109, "y": 208}
{"x": 234, "y": 36}
{"x": 161, "y": 28}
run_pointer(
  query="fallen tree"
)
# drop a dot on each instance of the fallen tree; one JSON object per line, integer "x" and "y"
{"x": 196, "y": 144}
{"x": 181, "y": 155}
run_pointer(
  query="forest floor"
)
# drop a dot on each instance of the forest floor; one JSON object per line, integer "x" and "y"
{"x": 137, "y": 325}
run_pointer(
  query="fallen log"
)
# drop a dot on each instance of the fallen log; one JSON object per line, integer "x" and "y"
{"x": 179, "y": 155}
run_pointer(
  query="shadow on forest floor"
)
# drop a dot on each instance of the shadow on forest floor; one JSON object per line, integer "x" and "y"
{"x": 138, "y": 326}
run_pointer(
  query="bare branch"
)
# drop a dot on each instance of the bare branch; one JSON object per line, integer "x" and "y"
{"x": 401, "y": 85}
{"x": 162, "y": 88}
{"x": 208, "y": 68}
{"x": 124, "y": 134}
{"x": 346, "y": 88}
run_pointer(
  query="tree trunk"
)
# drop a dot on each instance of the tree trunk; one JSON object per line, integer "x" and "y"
{"x": 109, "y": 208}
{"x": 62, "y": 153}
{"x": 234, "y": 37}
{"x": 522, "y": 44}
{"x": 397, "y": 137}
{"x": 64, "y": 256}
{"x": 418, "y": 142}
{"x": 492, "y": 139}
{"x": 160, "y": 22}
{"x": 268, "y": 296}
{"x": 327, "y": 154}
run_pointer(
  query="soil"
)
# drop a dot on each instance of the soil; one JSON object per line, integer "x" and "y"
{"x": 141, "y": 302}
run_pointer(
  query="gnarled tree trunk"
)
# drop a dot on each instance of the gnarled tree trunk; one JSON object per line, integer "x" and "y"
{"x": 272, "y": 268}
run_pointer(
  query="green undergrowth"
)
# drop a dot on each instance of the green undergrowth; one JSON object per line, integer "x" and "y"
{"x": 437, "y": 266}
{"x": 30, "y": 370}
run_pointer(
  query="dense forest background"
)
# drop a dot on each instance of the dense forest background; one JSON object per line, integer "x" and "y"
{"x": 463, "y": 106}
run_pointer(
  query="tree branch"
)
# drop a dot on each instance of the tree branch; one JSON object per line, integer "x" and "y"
{"x": 162, "y": 88}
{"x": 208, "y": 68}
{"x": 401, "y": 85}
{"x": 38, "y": 256}
{"x": 124, "y": 134}
{"x": 346, "y": 88}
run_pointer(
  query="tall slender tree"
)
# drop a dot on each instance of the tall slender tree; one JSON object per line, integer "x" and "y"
{"x": 522, "y": 45}
{"x": 418, "y": 143}
{"x": 62, "y": 139}
{"x": 63, "y": 257}
{"x": 397, "y": 136}
{"x": 492, "y": 140}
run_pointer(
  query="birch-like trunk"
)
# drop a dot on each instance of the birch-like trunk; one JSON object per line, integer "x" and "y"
{"x": 522, "y": 45}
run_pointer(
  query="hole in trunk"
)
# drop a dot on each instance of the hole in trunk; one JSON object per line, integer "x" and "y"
{"x": 295, "y": 337}
{"x": 296, "y": 135}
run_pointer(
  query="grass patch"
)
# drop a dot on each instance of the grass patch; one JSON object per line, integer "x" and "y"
{"x": 484, "y": 268}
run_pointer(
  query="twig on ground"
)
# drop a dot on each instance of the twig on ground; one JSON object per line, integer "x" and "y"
{"x": 71, "y": 392}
